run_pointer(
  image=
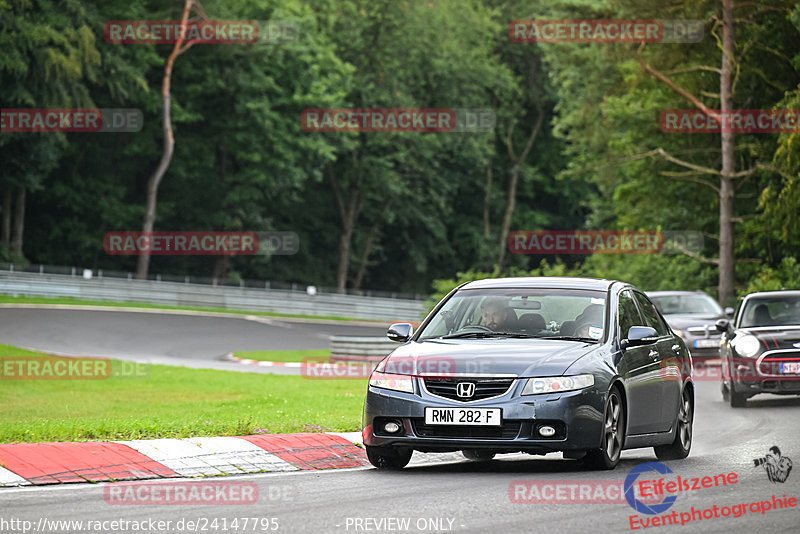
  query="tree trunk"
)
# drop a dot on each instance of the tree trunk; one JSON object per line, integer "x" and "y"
{"x": 143, "y": 262}
{"x": 19, "y": 222}
{"x": 486, "y": 199}
{"x": 349, "y": 214}
{"x": 726, "y": 190}
{"x": 512, "y": 185}
{"x": 362, "y": 264}
{"x": 6, "y": 225}
{"x": 221, "y": 267}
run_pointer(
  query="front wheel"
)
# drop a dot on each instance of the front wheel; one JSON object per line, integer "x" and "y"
{"x": 729, "y": 395}
{"x": 680, "y": 446}
{"x": 392, "y": 458}
{"x": 607, "y": 456}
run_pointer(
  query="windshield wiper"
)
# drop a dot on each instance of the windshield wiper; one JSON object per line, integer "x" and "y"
{"x": 480, "y": 335}
{"x": 571, "y": 338}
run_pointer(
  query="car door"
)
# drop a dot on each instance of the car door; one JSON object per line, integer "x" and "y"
{"x": 668, "y": 358}
{"x": 639, "y": 367}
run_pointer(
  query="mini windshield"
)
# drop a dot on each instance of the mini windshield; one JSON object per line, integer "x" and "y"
{"x": 521, "y": 313}
{"x": 771, "y": 311}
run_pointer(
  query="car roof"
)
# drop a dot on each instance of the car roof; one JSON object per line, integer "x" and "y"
{"x": 674, "y": 293}
{"x": 784, "y": 293}
{"x": 546, "y": 282}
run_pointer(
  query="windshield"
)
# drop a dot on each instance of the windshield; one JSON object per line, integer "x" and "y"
{"x": 775, "y": 311}
{"x": 687, "y": 305}
{"x": 535, "y": 313}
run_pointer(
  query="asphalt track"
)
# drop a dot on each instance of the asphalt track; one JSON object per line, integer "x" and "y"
{"x": 476, "y": 496}
{"x": 433, "y": 494}
{"x": 151, "y": 336}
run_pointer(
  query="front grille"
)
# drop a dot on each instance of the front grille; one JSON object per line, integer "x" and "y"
{"x": 484, "y": 387}
{"x": 705, "y": 331}
{"x": 509, "y": 430}
{"x": 770, "y": 362}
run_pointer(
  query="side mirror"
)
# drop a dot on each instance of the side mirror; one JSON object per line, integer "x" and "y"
{"x": 638, "y": 336}
{"x": 400, "y": 332}
{"x": 729, "y": 312}
{"x": 722, "y": 325}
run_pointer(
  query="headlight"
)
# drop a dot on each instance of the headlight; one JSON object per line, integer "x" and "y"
{"x": 680, "y": 333}
{"x": 557, "y": 384}
{"x": 747, "y": 346}
{"x": 391, "y": 381}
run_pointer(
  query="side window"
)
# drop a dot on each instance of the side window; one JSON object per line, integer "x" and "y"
{"x": 628, "y": 314}
{"x": 651, "y": 317}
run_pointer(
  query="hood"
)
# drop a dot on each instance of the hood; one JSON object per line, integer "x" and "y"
{"x": 460, "y": 357}
{"x": 775, "y": 338}
{"x": 682, "y": 322}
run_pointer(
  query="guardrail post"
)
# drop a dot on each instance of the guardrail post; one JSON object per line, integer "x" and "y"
{"x": 41, "y": 269}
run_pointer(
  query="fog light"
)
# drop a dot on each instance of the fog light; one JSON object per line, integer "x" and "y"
{"x": 547, "y": 431}
{"x": 391, "y": 427}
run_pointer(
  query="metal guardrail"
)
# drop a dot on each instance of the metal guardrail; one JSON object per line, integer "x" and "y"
{"x": 361, "y": 349}
{"x": 185, "y": 294}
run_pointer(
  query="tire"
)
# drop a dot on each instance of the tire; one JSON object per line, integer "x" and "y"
{"x": 390, "y": 458}
{"x": 737, "y": 400}
{"x": 478, "y": 455}
{"x": 726, "y": 393}
{"x": 682, "y": 444}
{"x": 734, "y": 399}
{"x": 608, "y": 455}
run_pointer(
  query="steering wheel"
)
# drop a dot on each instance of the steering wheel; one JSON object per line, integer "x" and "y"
{"x": 479, "y": 327}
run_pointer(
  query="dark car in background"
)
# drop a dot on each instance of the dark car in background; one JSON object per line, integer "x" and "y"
{"x": 692, "y": 315}
{"x": 537, "y": 365}
{"x": 761, "y": 347}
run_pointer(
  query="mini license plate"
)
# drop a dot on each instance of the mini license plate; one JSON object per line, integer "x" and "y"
{"x": 464, "y": 416}
{"x": 790, "y": 368}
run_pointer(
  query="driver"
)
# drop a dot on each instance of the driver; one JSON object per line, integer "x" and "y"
{"x": 497, "y": 315}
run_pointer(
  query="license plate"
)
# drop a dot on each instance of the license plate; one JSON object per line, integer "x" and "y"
{"x": 463, "y": 416}
{"x": 790, "y": 368}
{"x": 706, "y": 343}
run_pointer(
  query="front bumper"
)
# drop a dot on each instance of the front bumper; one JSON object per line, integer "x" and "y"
{"x": 577, "y": 417}
{"x": 762, "y": 374}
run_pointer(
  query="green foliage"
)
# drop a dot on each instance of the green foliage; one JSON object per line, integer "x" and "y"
{"x": 425, "y": 210}
{"x": 785, "y": 276}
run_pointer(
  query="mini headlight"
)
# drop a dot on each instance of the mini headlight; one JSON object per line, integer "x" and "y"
{"x": 391, "y": 381}
{"x": 557, "y": 384}
{"x": 747, "y": 345}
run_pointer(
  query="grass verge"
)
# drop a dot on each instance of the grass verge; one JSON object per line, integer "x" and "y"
{"x": 5, "y": 299}
{"x": 173, "y": 402}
